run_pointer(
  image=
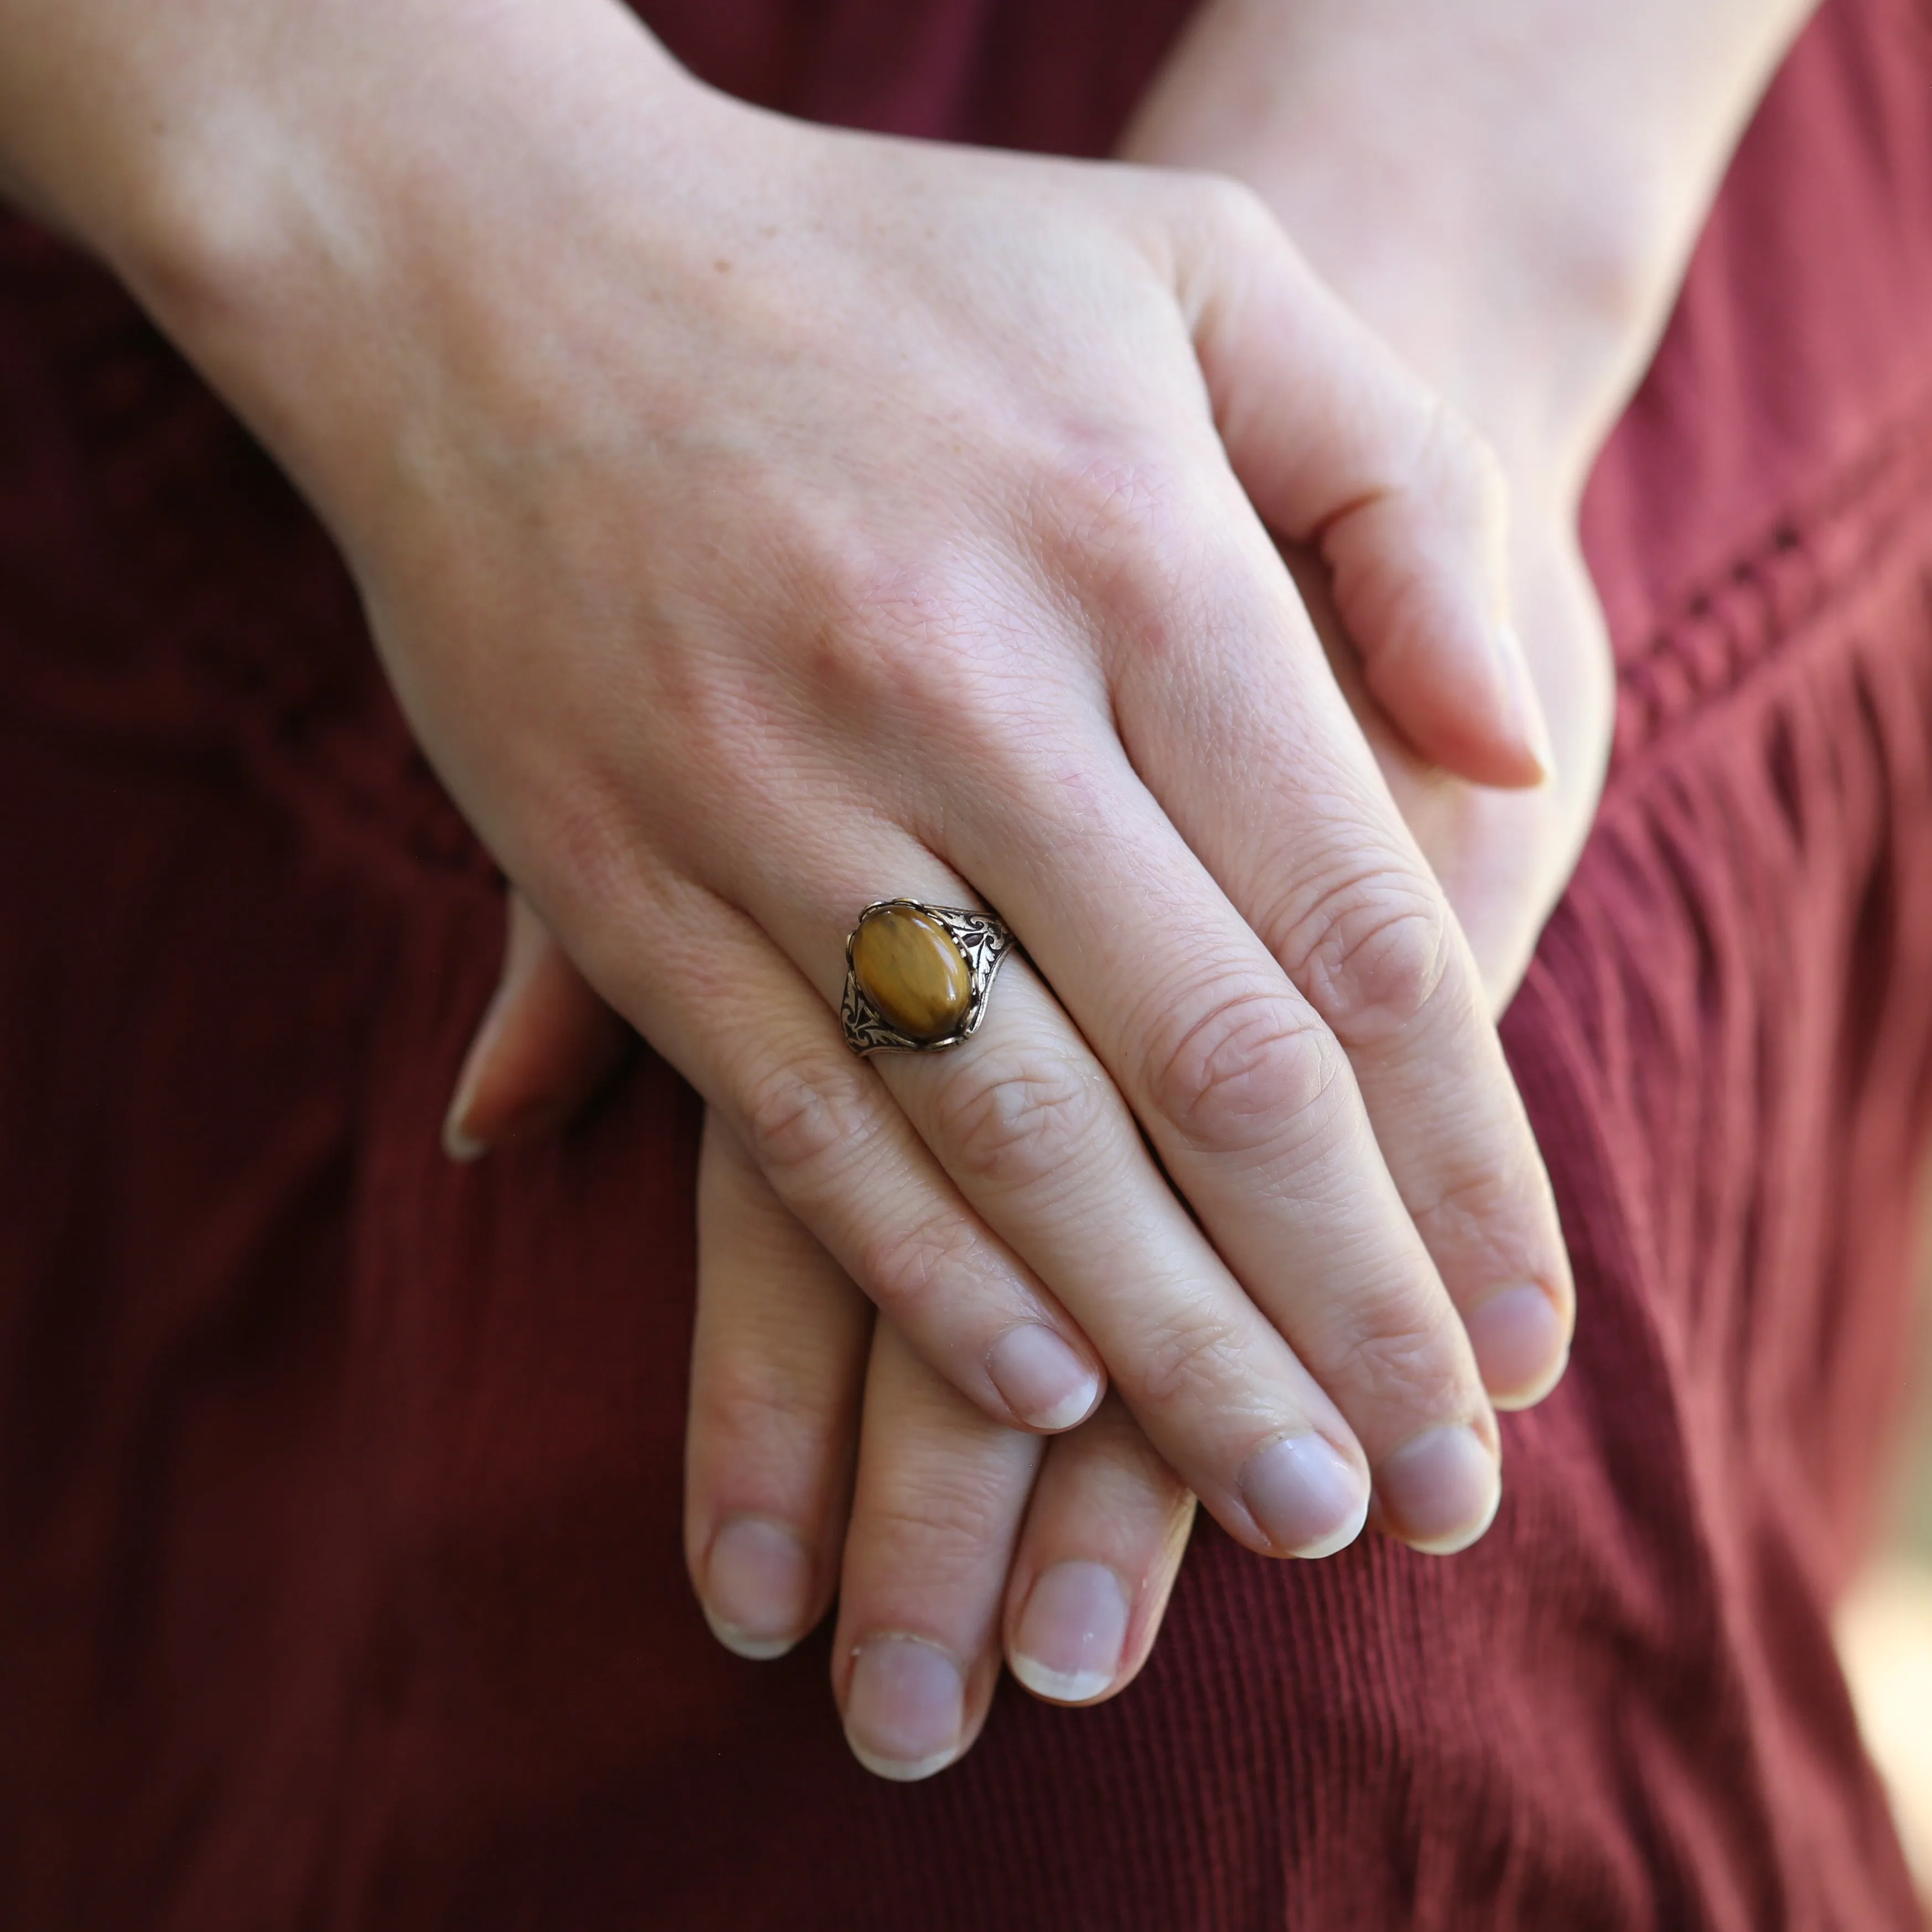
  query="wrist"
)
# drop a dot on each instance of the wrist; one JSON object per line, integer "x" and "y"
{"x": 276, "y": 182}
{"x": 1508, "y": 193}
{"x": 327, "y": 207}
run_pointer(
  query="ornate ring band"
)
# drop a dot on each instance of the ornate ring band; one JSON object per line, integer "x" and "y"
{"x": 917, "y": 976}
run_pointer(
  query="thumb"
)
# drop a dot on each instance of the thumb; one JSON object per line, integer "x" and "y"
{"x": 545, "y": 1046}
{"x": 1342, "y": 449}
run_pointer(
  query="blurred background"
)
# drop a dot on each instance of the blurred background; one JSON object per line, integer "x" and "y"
{"x": 1885, "y": 1629}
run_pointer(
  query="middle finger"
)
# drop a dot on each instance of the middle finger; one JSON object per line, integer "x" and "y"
{"x": 1032, "y": 1130}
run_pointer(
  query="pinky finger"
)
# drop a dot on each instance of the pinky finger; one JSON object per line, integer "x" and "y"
{"x": 1102, "y": 1544}
{"x": 777, "y": 1364}
{"x": 545, "y": 1047}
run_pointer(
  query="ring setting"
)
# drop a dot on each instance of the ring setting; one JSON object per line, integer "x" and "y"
{"x": 917, "y": 977}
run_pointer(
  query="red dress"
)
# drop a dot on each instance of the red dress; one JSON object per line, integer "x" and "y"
{"x": 339, "y": 1571}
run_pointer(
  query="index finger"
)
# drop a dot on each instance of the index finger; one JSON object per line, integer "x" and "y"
{"x": 1250, "y": 1102}
{"x": 1257, "y": 763}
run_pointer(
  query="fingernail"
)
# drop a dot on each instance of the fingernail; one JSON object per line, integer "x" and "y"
{"x": 459, "y": 1142}
{"x": 1040, "y": 1379}
{"x": 1525, "y": 707}
{"x": 1439, "y": 1491}
{"x": 904, "y": 1707}
{"x": 757, "y": 1586}
{"x": 1071, "y": 1633}
{"x": 1522, "y": 1344}
{"x": 1308, "y": 1498}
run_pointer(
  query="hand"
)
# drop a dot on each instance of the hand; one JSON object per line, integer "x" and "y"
{"x": 1509, "y": 193}
{"x": 787, "y": 428}
{"x": 948, "y": 586}
{"x": 1080, "y": 1539}
{"x": 1563, "y": 363}
{"x": 948, "y": 1541}
{"x": 1543, "y": 359}
{"x": 948, "y": 1538}
{"x": 216, "y": 218}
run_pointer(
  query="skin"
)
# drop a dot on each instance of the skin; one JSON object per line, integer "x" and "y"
{"x": 1516, "y": 216}
{"x": 954, "y": 467}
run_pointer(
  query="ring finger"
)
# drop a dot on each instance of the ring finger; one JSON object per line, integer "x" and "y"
{"x": 1047, "y": 1152}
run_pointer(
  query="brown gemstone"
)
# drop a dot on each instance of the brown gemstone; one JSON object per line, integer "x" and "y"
{"x": 908, "y": 965}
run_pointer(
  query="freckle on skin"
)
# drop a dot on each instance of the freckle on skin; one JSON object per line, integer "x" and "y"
{"x": 723, "y": 267}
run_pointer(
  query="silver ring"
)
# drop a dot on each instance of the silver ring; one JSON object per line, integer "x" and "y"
{"x": 917, "y": 977}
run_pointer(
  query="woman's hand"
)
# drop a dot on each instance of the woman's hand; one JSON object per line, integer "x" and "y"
{"x": 756, "y": 521}
{"x": 1509, "y": 193}
{"x": 1505, "y": 252}
{"x": 948, "y": 1539}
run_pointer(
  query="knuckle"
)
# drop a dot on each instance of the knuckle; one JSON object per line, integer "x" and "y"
{"x": 1495, "y": 1202}
{"x": 1231, "y": 210}
{"x": 872, "y": 617}
{"x": 762, "y": 1403}
{"x": 879, "y": 628}
{"x": 931, "y": 1530}
{"x": 927, "y": 656}
{"x": 1195, "y": 1357}
{"x": 1117, "y": 530}
{"x": 1404, "y": 1349}
{"x": 1015, "y": 1117}
{"x": 909, "y": 1269}
{"x": 1237, "y": 1075}
{"x": 1107, "y": 493}
{"x": 802, "y": 1131}
{"x": 590, "y": 831}
{"x": 1372, "y": 953}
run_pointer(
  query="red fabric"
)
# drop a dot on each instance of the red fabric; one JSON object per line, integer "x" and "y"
{"x": 340, "y": 1573}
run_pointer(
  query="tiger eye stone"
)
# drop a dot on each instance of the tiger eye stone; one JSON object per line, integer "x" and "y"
{"x": 906, "y": 964}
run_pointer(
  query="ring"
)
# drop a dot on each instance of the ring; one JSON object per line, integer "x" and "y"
{"x": 917, "y": 976}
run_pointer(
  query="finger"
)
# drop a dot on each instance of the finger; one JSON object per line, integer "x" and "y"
{"x": 1030, "y": 1127}
{"x": 764, "y": 1048}
{"x": 1406, "y": 505}
{"x": 545, "y": 1046}
{"x": 1033, "y": 1131}
{"x": 1343, "y": 900}
{"x": 1251, "y": 1105}
{"x": 778, "y": 1362}
{"x": 1295, "y": 1523}
{"x": 936, "y": 1511}
{"x": 1104, "y": 1537}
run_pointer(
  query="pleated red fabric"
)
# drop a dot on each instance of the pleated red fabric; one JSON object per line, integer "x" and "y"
{"x": 339, "y": 1572}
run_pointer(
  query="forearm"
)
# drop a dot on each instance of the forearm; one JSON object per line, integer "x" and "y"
{"x": 139, "y": 128}
{"x": 1563, "y": 154}
{"x": 307, "y": 185}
